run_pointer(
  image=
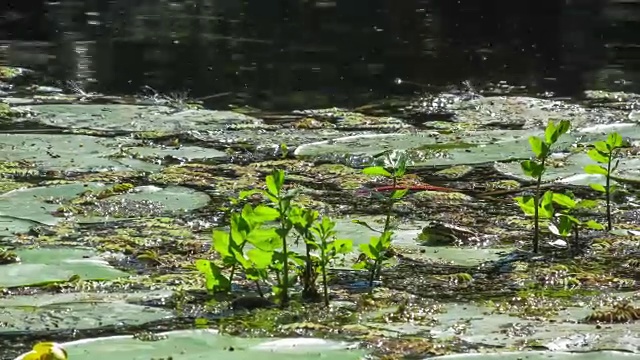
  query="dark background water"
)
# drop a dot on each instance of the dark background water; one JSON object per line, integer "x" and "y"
{"x": 324, "y": 52}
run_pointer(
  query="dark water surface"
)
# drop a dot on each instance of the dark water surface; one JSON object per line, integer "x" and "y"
{"x": 306, "y": 53}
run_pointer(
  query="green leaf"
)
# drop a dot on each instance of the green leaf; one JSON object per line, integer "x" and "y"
{"x": 342, "y": 246}
{"x": 539, "y": 147}
{"x": 565, "y": 226}
{"x": 598, "y": 156}
{"x": 613, "y": 188}
{"x": 592, "y": 224}
{"x": 260, "y": 258}
{"x": 360, "y": 265}
{"x": 385, "y": 239}
{"x": 214, "y": 279}
{"x": 398, "y": 194}
{"x": 376, "y": 171}
{"x": 587, "y": 204}
{"x": 598, "y": 187}
{"x": 275, "y": 181}
{"x": 602, "y": 147}
{"x": 369, "y": 251}
{"x": 221, "y": 241}
{"x": 564, "y": 200}
{"x": 262, "y": 213}
{"x": 527, "y": 204}
{"x": 595, "y": 169}
{"x": 246, "y": 193}
{"x": 614, "y": 140}
{"x": 562, "y": 128}
{"x": 265, "y": 239}
{"x": 531, "y": 168}
{"x": 546, "y": 206}
{"x": 550, "y": 132}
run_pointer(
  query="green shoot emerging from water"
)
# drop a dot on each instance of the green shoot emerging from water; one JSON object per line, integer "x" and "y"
{"x": 374, "y": 253}
{"x": 329, "y": 248}
{"x": 535, "y": 168}
{"x": 604, "y": 152}
{"x": 567, "y": 223}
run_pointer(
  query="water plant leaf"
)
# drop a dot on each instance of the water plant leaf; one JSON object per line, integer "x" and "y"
{"x": 602, "y": 147}
{"x": 527, "y": 204}
{"x": 262, "y": 213}
{"x": 369, "y": 250}
{"x": 539, "y": 147}
{"x": 215, "y": 280}
{"x": 546, "y": 205}
{"x": 614, "y": 140}
{"x": 376, "y": 171}
{"x": 260, "y": 258}
{"x": 592, "y": 224}
{"x": 364, "y": 223}
{"x": 221, "y": 242}
{"x": 531, "y": 168}
{"x": 595, "y": 169}
{"x": 598, "y": 156}
{"x": 341, "y": 246}
{"x": 398, "y": 194}
{"x": 564, "y": 200}
{"x": 598, "y": 187}
{"x": 553, "y": 132}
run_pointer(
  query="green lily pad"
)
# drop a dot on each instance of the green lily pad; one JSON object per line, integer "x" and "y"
{"x": 207, "y": 344}
{"x": 68, "y": 152}
{"x": 142, "y": 201}
{"x": 55, "y": 264}
{"x": 133, "y": 118}
{"x": 77, "y": 311}
{"x": 475, "y": 147}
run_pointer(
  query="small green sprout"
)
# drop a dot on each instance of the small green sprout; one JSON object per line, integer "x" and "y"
{"x": 568, "y": 224}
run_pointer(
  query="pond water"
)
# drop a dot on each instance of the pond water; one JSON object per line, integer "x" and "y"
{"x": 127, "y": 126}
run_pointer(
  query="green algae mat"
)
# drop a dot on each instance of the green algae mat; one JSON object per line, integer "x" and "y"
{"x": 105, "y": 209}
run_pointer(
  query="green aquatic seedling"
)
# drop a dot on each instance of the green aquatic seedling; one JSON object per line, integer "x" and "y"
{"x": 604, "y": 152}
{"x": 303, "y": 221}
{"x": 329, "y": 248}
{"x": 245, "y": 227}
{"x": 567, "y": 223}
{"x": 535, "y": 168}
{"x": 374, "y": 253}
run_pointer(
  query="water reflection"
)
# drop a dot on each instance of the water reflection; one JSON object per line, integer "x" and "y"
{"x": 323, "y": 52}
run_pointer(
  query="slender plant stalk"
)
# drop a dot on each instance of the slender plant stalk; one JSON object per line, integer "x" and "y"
{"x": 536, "y": 211}
{"x": 323, "y": 258}
{"x": 608, "y": 191}
{"x": 284, "y": 300}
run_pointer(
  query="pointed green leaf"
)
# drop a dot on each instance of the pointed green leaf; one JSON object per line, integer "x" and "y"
{"x": 369, "y": 251}
{"x": 602, "y": 147}
{"x": 564, "y": 200}
{"x": 546, "y": 206}
{"x": 550, "y": 132}
{"x": 214, "y": 279}
{"x": 539, "y": 147}
{"x": 564, "y": 226}
{"x": 587, "y": 204}
{"x": 261, "y": 259}
{"x": 595, "y": 169}
{"x": 397, "y": 194}
{"x": 527, "y": 204}
{"x": 598, "y": 156}
{"x": 220, "y": 241}
{"x": 342, "y": 246}
{"x": 592, "y": 224}
{"x": 262, "y": 213}
{"x": 598, "y": 187}
{"x": 376, "y": 171}
{"x": 531, "y": 168}
{"x": 364, "y": 223}
{"x": 246, "y": 193}
{"x": 614, "y": 140}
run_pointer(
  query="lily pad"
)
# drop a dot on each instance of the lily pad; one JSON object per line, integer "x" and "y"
{"x": 475, "y": 147}
{"x": 56, "y": 264}
{"x": 133, "y": 118}
{"x": 77, "y": 311}
{"x": 63, "y": 152}
{"x": 208, "y": 344}
{"x": 142, "y": 201}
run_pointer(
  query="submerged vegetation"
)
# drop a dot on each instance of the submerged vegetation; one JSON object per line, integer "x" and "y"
{"x": 408, "y": 242}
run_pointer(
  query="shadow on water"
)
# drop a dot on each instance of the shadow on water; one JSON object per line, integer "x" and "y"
{"x": 295, "y": 54}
